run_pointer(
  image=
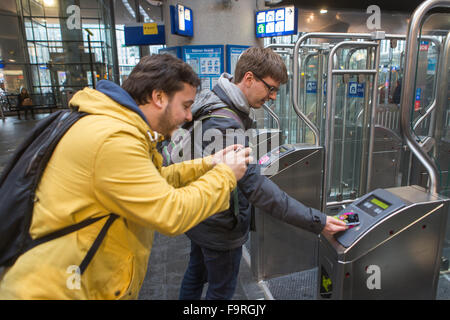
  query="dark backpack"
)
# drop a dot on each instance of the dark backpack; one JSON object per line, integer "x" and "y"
{"x": 18, "y": 184}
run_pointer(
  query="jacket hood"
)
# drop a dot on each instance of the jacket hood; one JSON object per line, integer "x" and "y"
{"x": 119, "y": 95}
{"x": 234, "y": 93}
{"x": 111, "y": 100}
{"x": 206, "y": 100}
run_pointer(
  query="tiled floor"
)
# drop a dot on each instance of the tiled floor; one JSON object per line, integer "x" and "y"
{"x": 167, "y": 264}
{"x": 12, "y": 131}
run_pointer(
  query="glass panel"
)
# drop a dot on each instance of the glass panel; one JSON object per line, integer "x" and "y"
{"x": 308, "y": 94}
{"x": 431, "y": 89}
{"x": 42, "y": 52}
{"x": 36, "y": 8}
{"x": 26, "y": 7}
{"x": 32, "y": 52}
{"x": 425, "y": 84}
{"x": 352, "y": 109}
{"x": 282, "y": 106}
{"x": 433, "y": 72}
{"x": 59, "y": 57}
{"x": 128, "y": 56}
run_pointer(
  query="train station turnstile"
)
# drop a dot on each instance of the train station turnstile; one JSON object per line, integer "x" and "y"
{"x": 394, "y": 253}
{"x": 278, "y": 248}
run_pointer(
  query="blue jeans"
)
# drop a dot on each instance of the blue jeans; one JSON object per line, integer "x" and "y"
{"x": 219, "y": 268}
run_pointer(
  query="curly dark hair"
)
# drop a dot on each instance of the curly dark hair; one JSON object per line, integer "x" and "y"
{"x": 159, "y": 72}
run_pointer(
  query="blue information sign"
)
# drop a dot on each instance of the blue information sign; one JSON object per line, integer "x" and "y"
{"x": 207, "y": 61}
{"x": 311, "y": 86}
{"x": 182, "y": 20}
{"x": 276, "y": 22}
{"x": 233, "y": 54}
{"x": 138, "y": 36}
{"x": 355, "y": 90}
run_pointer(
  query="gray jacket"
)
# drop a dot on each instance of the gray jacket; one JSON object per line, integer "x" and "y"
{"x": 225, "y": 230}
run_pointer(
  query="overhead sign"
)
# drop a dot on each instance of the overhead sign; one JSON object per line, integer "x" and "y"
{"x": 144, "y": 35}
{"x": 182, "y": 20}
{"x": 150, "y": 28}
{"x": 207, "y": 61}
{"x": 276, "y": 22}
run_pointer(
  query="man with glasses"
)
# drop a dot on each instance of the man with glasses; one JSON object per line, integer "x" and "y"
{"x": 216, "y": 243}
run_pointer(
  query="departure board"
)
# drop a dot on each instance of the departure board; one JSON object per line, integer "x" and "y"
{"x": 276, "y": 22}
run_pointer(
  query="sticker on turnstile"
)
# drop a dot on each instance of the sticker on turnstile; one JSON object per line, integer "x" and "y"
{"x": 264, "y": 159}
{"x": 326, "y": 285}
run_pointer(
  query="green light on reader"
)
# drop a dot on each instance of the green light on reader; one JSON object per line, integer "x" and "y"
{"x": 379, "y": 203}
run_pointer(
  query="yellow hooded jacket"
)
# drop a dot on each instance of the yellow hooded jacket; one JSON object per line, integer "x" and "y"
{"x": 108, "y": 163}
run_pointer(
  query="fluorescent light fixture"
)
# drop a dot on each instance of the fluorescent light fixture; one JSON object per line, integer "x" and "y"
{"x": 49, "y": 3}
{"x": 323, "y": 11}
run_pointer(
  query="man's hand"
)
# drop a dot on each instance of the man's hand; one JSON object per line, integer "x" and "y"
{"x": 333, "y": 226}
{"x": 236, "y": 157}
{"x": 219, "y": 156}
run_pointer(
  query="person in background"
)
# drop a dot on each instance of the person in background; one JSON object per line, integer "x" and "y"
{"x": 24, "y": 103}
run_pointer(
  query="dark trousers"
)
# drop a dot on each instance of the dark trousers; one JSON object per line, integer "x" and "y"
{"x": 219, "y": 268}
{"x": 25, "y": 110}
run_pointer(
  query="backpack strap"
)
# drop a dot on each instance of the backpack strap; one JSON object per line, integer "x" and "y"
{"x": 228, "y": 113}
{"x": 72, "y": 228}
{"x": 98, "y": 241}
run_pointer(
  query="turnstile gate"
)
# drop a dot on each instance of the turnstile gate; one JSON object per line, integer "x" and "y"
{"x": 278, "y": 248}
{"x": 394, "y": 253}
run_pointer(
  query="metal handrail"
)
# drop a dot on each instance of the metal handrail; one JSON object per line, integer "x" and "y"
{"x": 442, "y": 83}
{"x": 273, "y": 115}
{"x": 329, "y": 128}
{"x": 331, "y": 35}
{"x": 324, "y": 35}
{"x": 406, "y": 101}
{"x": 435, "y": 89}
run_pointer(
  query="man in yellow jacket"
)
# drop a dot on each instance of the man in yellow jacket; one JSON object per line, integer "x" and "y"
{"x": 108, "y": 163}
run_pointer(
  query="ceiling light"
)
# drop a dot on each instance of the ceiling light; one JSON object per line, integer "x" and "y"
{"x": 323, "y": 11}
{"x": 49, "y": 3}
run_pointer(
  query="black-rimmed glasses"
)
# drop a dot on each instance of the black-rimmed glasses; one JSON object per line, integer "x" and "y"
{"x": 271, "y": 89}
